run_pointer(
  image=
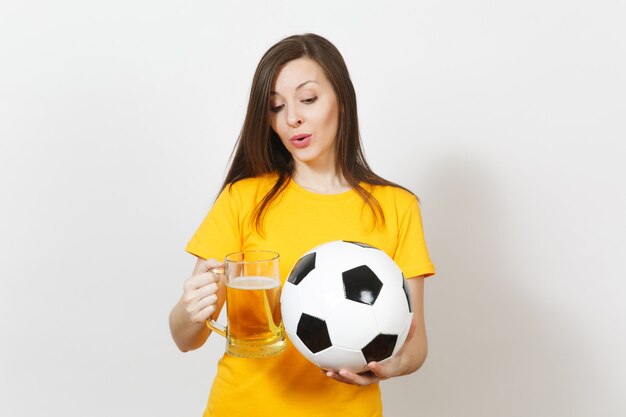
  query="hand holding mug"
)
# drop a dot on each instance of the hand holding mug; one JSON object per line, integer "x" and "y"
{"x": 200, "y": 291}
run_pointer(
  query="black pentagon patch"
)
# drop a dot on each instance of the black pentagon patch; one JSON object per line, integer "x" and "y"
{"x": 313, "y": 333}
{"x": 381, "y": 347}
{"x": 405, "y": 287}
{"x": 304, "y": 265}
{"x": 361, "y": 244}
{"x": 361, "y": 284}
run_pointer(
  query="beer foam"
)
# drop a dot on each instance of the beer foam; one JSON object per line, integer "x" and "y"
{"x": 253, "y": 283}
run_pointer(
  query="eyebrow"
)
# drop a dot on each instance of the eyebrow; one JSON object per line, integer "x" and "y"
{"x": 273, "y": 93}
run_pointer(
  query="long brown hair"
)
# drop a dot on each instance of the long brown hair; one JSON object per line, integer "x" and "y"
{"x": 259, "y": 150}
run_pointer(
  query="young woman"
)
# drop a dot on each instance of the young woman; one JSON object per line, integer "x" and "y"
{"x": 298, "y": 178}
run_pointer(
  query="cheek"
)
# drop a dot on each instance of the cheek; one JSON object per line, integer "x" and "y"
{"x": 331, "y": 119}
{"x": 325, "y": 119}
{"x": 281, "y": 130}
{"x": 275, "y": 125}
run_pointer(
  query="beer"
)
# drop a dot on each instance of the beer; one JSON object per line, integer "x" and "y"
{"x": 255, "y": 326}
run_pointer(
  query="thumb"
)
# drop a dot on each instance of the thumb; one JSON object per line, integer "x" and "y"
{"x": 381, "y": 371}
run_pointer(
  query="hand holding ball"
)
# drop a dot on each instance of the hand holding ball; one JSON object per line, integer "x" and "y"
{"x": 346, "y": 304}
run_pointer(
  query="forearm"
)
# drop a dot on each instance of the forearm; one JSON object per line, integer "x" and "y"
{"x": 413, "y": 354}
{"x": 187, "y": 335}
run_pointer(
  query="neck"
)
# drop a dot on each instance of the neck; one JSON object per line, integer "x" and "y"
{"x": 322, "y": 181}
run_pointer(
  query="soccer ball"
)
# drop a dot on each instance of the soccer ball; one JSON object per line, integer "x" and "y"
{"x": 346, "y": 304}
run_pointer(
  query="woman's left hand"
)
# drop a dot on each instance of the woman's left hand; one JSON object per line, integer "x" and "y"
{"x": 376, "y": 372}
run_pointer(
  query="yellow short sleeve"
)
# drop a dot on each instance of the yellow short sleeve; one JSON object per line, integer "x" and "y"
{"x": 411, "y": 252}
{"x": 219, "y": 233}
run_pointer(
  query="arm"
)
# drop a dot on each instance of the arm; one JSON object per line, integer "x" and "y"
{"x": 203, "y": 297}
{"x": 408, "y": 359}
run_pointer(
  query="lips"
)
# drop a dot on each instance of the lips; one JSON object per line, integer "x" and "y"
{"x": 301, "y": 141}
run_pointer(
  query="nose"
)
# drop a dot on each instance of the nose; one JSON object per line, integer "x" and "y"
{"x": 294, "y": 119}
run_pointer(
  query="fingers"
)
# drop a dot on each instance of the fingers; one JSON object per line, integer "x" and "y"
{"x": 208, "y": 265}
{"x": 375, "y": 372}
{"x": 205, "y": 281}
{"x": 348, "y": 377}
{"x": 196, "y": 299}
{"x": 202, "y": 314}
{"x": 204, "y": 302}
{"x": 201, "y": 309}
{"x": 206, "y": 272}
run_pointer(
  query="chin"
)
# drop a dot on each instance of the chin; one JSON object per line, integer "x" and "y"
{"x": 304, "y": 157}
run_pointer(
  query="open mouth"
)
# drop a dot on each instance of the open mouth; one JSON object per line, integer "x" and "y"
{"x": 300, "y": 138}
{"x": 301, "y": 141}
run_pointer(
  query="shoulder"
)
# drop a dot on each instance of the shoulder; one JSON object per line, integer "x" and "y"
{"x": 250, "y": 188}
{"x": 389, "y": 195}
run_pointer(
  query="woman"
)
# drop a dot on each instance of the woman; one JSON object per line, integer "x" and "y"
{"x": 298, "y": 178}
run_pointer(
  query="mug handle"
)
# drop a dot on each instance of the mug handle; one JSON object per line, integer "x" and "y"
{"x": 210, "y": 323}
{"x": 216, "y": 327}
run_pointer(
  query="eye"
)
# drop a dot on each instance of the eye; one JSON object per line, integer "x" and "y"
{"x": 309, "y": 100}
{"x": 276, "y": 109}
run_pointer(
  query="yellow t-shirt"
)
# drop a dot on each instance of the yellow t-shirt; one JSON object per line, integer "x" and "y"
{"x": 298, "y": 220}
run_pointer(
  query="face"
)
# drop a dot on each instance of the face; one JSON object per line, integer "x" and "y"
{"x": 304, "y": 113}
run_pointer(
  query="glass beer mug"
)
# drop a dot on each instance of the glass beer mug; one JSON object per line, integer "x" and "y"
{"x": 255, "y": 327}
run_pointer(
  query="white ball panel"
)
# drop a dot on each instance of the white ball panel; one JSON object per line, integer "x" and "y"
{"x": 321, "y": 291}
{"x": 391, "y": 309}
{"x": 352, "y": 325}
{"x": 335, "y": 358}
{"x": 340, "y": 256}
{"x": 290, "y": 306}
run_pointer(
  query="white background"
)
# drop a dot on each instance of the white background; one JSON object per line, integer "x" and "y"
{"x": 117, "y": 119}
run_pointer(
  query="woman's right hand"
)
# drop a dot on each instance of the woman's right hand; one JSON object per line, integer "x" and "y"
{"x": 203, "y": 296}
{"x": 201, "y": 291}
